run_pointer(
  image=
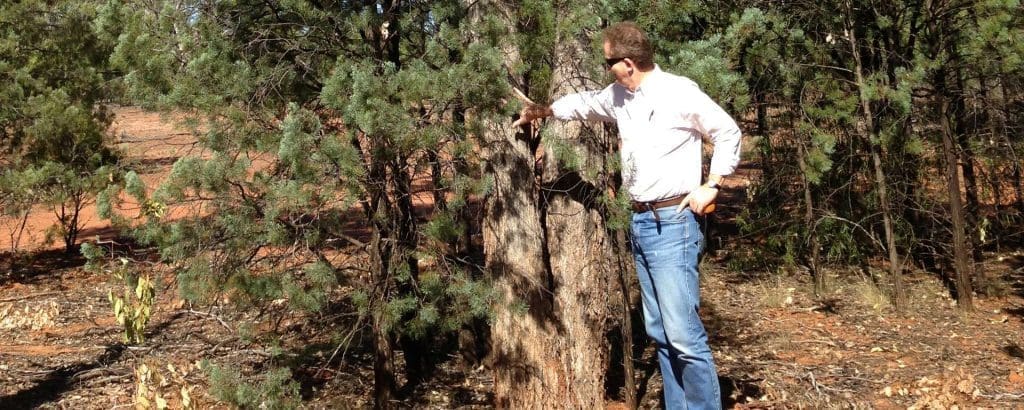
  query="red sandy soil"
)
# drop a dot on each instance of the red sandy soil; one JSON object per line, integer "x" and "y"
{"x": 152, "y": 141}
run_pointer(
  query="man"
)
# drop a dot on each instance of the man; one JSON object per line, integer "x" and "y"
{"x": 662, "y": 119}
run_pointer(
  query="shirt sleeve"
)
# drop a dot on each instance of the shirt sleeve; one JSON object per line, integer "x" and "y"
{"x": 585, "y": 106}
{"x": 713, "y": 122}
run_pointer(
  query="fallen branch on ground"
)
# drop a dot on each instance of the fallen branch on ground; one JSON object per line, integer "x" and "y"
{"x": 35, "y": 295}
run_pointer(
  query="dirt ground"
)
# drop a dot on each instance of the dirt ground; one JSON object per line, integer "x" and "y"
{"x": 775, "y": 345}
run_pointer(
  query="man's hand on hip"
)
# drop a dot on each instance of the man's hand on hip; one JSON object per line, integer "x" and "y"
{"x": 700, "y": 200}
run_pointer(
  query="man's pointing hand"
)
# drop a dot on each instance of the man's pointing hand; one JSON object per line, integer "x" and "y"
{"x": 531, "y": 111}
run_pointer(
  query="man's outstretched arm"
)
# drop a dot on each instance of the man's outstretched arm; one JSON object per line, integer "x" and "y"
{"x": 585, "y": 106}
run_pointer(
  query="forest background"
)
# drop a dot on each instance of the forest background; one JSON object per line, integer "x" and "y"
{"x": 351, "y": 203}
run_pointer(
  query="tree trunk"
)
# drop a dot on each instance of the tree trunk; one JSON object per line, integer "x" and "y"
{"x": 871, "y": 136}
{"x": 513, "y": 243}
{"x": 69, "y": 214}
{"x": 812, "y": 232}
{"x": 416, "y": 351}
{"x": 628, "y": 280}
{"x": 581, "y": 252}
{"x": 548, "y": 254}
{"x": 762, "y": 112}
{"x": 20, "y": 230}
{"x": 384, "y": 389}
{"x": 960, "y": 253}
{"x": 951, "y": 104}
{"x": 965, "y": 155}
{"x": 383, "y": 365}
{"x": 381, "y": 253}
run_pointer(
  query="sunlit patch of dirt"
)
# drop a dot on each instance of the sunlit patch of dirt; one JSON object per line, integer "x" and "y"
{"x": 932, "y": 354}
{"x": 32, "y": 316}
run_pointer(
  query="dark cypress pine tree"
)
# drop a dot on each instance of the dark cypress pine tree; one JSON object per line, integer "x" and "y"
{"x": 53, "y": 147}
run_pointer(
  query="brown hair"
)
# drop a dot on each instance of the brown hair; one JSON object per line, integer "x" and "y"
{"x": 627, "y": 40}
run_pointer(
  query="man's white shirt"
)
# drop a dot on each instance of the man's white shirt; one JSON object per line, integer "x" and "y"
{"x": 661, "y": 125}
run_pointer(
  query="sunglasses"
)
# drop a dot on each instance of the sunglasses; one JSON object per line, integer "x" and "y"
{"x": 609, "y": 62}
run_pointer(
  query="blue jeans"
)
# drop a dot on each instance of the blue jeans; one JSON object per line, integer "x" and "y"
{"x": 666, "y": 254}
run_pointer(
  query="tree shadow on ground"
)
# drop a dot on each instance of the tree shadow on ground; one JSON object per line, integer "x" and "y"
{"x": 1018, "y": 311}
{"x": 153, "y": 165}
{"x": 32, "y": 267}
{"x": 1013, "y": 349}
{"x": 724, "y": 333}
{"x": 1015, "y": 275}
{"x": 58, "y": 381}
{"x": 330, "y": 364}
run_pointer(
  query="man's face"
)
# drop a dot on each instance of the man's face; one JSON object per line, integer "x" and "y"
{"x": 619, "y": 69}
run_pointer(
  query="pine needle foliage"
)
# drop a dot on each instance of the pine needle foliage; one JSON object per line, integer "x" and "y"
{"x": 833, "y": 86}
{"x": 53, "y": 81}
{"x": 324, "y": 127}
{"x": 274, "y": 389}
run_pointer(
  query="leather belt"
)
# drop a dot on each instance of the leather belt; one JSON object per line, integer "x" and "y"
{"x": 639, "y": 207}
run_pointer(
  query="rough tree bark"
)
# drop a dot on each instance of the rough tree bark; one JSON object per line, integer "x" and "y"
{"x": 547, "y": 251}
{"x": 956, "y": 108}
{"x": 950, "y": 95}
{"x": 961, "y": 256}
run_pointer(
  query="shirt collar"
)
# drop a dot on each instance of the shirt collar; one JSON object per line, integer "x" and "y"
{"x": 650, "y": 79}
